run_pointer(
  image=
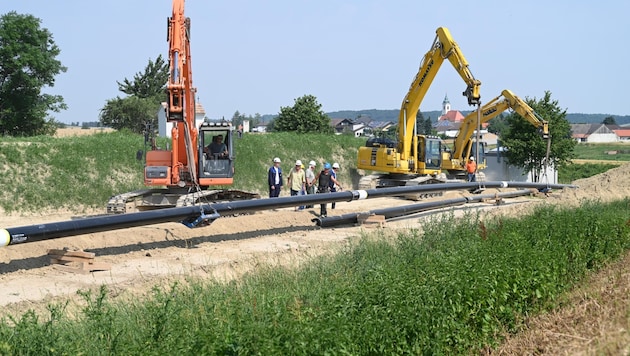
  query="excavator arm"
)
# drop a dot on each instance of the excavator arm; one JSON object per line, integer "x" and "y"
{"x": 492, "y": 109}
{"x": 521, "y": 108}
{"x": 444, "y": 47}
{"x": 181, "y": 98}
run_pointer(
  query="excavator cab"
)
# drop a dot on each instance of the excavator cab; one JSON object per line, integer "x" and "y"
{"x": 216, "y": 154}
{"x": 430, "y": 149}
{"x": 471, "y": 150}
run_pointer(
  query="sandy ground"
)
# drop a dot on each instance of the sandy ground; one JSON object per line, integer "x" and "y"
{"x": 146, "y": 256}
{"x": 226, "y": 248}
{"x": 78, "y": 131}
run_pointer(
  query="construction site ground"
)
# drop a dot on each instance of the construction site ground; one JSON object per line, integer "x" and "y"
{"x": 144, "y": 257}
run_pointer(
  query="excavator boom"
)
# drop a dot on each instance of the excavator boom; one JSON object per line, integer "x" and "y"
{"x": 443, "y": 47}
{"x": 492, "y": 109}
{"x": 181, "y": 101}
{"x": 414, "y": 154}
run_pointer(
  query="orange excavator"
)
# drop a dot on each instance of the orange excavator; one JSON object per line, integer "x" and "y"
{"x": 199, "y": 158}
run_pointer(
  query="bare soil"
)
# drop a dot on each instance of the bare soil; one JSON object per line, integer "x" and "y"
{"x": 79, "y": 131}
{"x": 595, "y": 319}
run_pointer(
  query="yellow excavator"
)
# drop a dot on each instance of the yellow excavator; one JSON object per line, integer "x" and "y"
{"x": 454, "y": 161}
{"x": 416, "y": 159}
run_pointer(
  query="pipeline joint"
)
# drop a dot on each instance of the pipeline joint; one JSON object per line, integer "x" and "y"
{"x": 202, "y": 220}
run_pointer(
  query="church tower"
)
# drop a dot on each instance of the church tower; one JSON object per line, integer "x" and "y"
{"x": 446, "y": 105}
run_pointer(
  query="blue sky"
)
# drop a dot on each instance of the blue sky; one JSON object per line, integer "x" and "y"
{"x": 257, "y": 56}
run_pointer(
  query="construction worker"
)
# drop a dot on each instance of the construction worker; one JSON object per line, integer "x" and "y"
{"x": 323, "y": 180}
{"x": 310, "y": 179}
{"x": 274, "y": 178}
{"x": 471, "y": 168}
{"x": 333, "y": 186}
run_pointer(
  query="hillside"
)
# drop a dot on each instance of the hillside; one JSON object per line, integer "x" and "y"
{"x": 392, "y": 115}
{"x": 86, "y": 167}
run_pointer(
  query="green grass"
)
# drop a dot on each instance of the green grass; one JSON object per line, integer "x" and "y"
{"x": 453, "y": 289}
{"x": 573, "y": 172}
{"x": 602, "y": 151}
{"x": 84, "y": 171}
{"x": 80, "y": 172}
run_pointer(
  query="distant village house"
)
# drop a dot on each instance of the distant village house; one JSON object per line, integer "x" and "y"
{"x": 361, "y": 126}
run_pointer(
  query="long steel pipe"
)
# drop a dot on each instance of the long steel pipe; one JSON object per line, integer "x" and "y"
{"x": 404, "y": 210}
{"x": 46, "y": 231}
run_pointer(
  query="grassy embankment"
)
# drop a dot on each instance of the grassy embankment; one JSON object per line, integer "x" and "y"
{"x": 82, "y": 172}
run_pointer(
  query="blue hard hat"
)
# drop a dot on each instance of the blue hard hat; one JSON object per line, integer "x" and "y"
{"x": 327, "y": 165}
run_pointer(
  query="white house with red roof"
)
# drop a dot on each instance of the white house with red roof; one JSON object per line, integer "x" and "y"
{"x": 448, "y": 114}
{"x": 450, "y": 121}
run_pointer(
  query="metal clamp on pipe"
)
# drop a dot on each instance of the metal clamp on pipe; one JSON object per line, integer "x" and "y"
{"x": 202, "y": 220}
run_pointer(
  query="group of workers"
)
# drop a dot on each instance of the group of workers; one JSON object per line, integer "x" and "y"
{"x": 305, "y": 181}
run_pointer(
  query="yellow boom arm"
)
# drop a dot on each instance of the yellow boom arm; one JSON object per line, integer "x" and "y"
{"x": 444, "y": 47}
{"x": 492, "y": 109}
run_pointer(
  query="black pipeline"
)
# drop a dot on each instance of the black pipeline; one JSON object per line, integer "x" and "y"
{"x": 188, "y": 214}
{"x": 398, "y": 211}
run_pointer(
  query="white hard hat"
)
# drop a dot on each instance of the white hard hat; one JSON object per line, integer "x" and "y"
{"x": 472, "y": 158}
{"x": 276, "y": 160}
{"x": 335, "y": 165}
{"x": 298, "y": 163}
{"x": 312, "y": 163}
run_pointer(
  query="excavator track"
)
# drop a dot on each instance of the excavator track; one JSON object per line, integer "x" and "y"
{"x": 152, "y": 199}
{"x": 117, "y": 204}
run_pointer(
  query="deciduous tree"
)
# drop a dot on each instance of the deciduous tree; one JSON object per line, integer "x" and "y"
{"x": 147, "y": 84}
{"x": 132, "y": 113}
{"x": 304, "y": 116}
{"x": 28, "y": 64}
{"x": 145, "y": 93}
{"x": 525, "y": 147}
{"x": 609, "y": 120}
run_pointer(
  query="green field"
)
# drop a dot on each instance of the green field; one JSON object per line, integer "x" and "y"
{"x": 619, "y": 152}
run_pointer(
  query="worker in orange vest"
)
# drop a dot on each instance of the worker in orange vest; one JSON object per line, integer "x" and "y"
{"x": 471, "y": 168}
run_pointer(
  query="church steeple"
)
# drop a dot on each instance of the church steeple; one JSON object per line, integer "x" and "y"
{"x": 446, "y": 105}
